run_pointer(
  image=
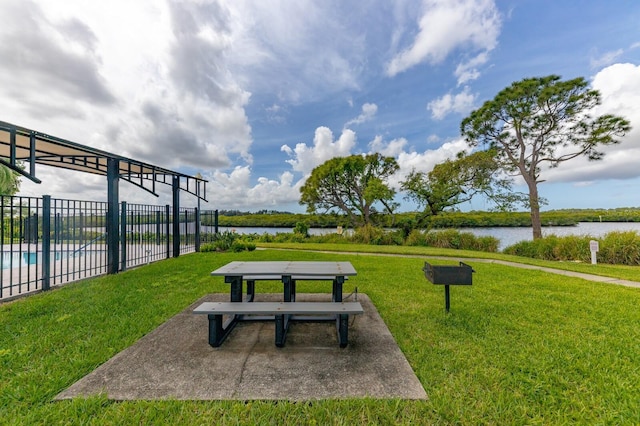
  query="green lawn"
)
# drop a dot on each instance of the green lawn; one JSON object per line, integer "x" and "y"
{"x": 622, "y": 272}
{"x": 518, "y": 347}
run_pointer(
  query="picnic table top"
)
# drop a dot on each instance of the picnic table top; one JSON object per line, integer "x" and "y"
{"x": 280, "y": 268}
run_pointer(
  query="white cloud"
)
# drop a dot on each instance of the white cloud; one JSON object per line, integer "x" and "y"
{"x": 234, "y": 190}
{"x": 425, "y": 161}
{"x": 460, "y": 103}
{"x": 605, "y": 59}
{"x": 369, "y": 111}
{"x": 144, "y": 79}
{"x": 468, "y": 71}
{"x": 295, "y": 49}
{"x": 446, "y": 25}
{"x": 412, "y": 160}
{"x": 388, "y": 149}
{"x": 619, "y": 86}
{"x": 305, "y": 157}
{"x": 276, "y": 113}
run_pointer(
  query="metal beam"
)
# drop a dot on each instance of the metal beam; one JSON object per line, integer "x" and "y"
{"x": 176, "y": 216}
{"x": 113, "y": 217}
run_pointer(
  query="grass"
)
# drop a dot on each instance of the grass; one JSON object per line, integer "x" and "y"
{"x": 518, "y": 347}
{"x": 623, "y": 272}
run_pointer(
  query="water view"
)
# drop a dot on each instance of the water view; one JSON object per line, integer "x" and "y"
{"x": 507, "y": 235}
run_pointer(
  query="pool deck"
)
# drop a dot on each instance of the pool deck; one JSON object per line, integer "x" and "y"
{"x": 26, "y": 279}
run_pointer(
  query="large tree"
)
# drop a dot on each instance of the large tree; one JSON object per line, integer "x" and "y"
{"x": 542, "y": 121}
{"x": 353, "y": 185}
{"x": 457, "y": 181}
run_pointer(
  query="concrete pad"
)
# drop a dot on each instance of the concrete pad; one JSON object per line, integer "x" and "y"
{"x": 175, "y": 361}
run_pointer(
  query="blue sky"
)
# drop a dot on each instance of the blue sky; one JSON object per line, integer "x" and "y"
{"x": 253, "y": 95}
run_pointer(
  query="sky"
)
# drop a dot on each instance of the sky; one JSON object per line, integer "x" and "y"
{"x": 252, "y": 95}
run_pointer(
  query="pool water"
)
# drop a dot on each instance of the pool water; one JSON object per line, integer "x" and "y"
{"x": 11, "y": 260}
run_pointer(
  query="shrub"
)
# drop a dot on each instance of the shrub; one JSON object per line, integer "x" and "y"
{"x": 301, "y": 229}
{"x": 238, "y": 246}
{"x": 333, "y": 238}
{"x": 207, "y": 247}
{"x": 453, "y": 239}
{"x": 542, "y": 248}
{"x": 487, "y": 243}
{"x": 522, "y": 248}
{"x": 573, "y": 248}
{"x": 416, "y": 238}
{"x": 622, "y": 248}
{"x": 224, "y": 240}
{"x": 368, "y": 234}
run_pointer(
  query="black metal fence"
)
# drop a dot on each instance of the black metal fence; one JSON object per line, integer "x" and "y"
{"x": 48, "y": 242}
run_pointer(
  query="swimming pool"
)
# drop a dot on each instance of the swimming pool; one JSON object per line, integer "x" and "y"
{"x": 10, "y": 260}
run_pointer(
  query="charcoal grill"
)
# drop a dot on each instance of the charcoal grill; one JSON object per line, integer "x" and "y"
{"x": 448, "y": 275}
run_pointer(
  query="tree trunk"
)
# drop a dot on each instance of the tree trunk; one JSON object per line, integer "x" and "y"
{"x": 534, "y": 202}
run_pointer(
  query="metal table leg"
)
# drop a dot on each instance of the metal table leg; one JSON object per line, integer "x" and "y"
{"x": 217, "y": 331}
{"x": 236, "y": 287}
{"x": 336, "y": 295}
{"x": 289, "y": 288}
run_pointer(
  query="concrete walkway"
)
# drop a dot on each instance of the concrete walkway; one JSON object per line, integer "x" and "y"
{"x": 584, "y": 276}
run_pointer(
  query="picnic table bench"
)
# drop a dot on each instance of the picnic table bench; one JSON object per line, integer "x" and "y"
{"x": 283, "y": 312}
{"x": 235, "y": 273}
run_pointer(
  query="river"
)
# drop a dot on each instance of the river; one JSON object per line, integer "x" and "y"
{"x": 507, "y": 235}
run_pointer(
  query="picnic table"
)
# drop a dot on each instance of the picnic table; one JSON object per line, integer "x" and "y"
{"x": 237, "y": 272}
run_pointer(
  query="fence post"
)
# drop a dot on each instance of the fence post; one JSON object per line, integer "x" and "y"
{"x": 215, "y": 221}
{"x": 197, "y": 229}
{"x": 123, "y": 235}
{"x": 112, "y": 228}
{"x": 167, "y": 229}
{"x": 46, "y": 242}
{"x": 57, "y": 224}
{"x": 158, "y": 228}
{"x": 176, "y": 216}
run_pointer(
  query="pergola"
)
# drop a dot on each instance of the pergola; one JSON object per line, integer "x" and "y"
{"x": 19, "y": 144}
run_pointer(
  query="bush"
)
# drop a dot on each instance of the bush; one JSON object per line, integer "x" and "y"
{"x": 486, "y": 243}
{"x": 619, "y": 248}
{"x": 241, "y": 245}
{"x": 547, "y": 248}
{"x": 573, "y": 248}
{"x": 416, "y": 238}
{"x": 453, "y": 239}
{"x": 301, "y": 229}
{"x": 368, "y": 234}
{"x": 204, "y": 248}
{"x": 522, "y": 248}
{"x": 229, "y": 241}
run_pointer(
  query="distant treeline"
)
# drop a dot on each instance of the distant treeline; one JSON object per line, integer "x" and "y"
{"x": 566, "y": 217}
